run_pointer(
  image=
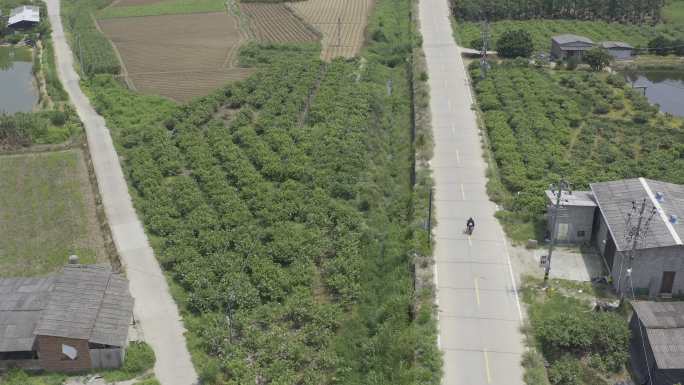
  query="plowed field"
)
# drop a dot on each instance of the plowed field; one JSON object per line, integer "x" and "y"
{"x": 276, "y": 23}
{"x": 342, "y": 23}
{"x": 177, "y": 56}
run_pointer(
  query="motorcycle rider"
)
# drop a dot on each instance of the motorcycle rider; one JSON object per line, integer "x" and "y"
{"x": 470, "y": 225}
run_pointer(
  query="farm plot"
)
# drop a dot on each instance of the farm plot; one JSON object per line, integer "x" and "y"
{"x": 276, "y": 23}
{"x": 342, "y": 23}
{"x": 47, "y": 212}
{"x": 177, "y": 56}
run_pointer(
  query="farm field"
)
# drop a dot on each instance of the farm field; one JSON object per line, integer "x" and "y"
{"x": 178, "y": 56}
{"x": 47, "y": 212}
{"x": 542, "y": 31}
{"x": 130, "y": 8}
{"x": 588, "y": 127}
{"x": 276, "y": 23}
{"x": 341, "y": 22}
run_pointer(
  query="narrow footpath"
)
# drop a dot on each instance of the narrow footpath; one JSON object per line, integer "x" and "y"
{"x": 479, "y": 310}
{"x": 154, "y": 308}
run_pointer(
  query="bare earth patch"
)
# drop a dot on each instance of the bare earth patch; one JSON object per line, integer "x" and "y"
{"x": 276, "y": 23}
{"x": 178, "y": 56}
{"x": 47, "y": 212}
{"x": 342, "y": 23}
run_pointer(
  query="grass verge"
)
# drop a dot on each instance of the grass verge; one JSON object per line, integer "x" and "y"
{"x": 139, "y": 359}
{"x": 47, "y": 212}
{"x": 171, "y": 7}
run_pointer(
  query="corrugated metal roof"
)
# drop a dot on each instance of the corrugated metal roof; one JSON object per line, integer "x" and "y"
{"x": 21, "y": 301}
{"x": 615, "y": 201}
{"x": 615, "y": 44}
{"x": 86, "y": 302}
{"x": 664, "y": 323}
{"x": 24, "y": 13}
{"x": 570, "y": 38}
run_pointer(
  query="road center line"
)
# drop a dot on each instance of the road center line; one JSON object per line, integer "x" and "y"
{"x": 477, "y": 291}
{"x": 486, "y": 358}
{"x": 463, "y": 191}
{"x": 458, "y": 154}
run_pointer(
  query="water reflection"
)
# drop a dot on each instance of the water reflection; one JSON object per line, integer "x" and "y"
{"x": 665, "y": 88}
{"x": 17, "y": 90}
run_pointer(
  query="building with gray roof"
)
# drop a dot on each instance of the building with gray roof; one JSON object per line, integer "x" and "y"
{"x": 657, "y": 342}
{"x": 653, "y": 265}
{"x": 619, "y": 50}
{"x": 567, "y": 45}
{"x": 24, "y": 16}
{"x": 72, "y": 321}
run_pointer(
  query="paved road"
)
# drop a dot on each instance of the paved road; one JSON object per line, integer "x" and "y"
{"x": 154, "y": 309}
{"x": 479, "y": 316}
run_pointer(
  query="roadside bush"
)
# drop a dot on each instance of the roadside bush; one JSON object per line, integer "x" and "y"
{"x": 139, "y": 359}
{"x": 512, "y": 44}
{"x": 566, "y": 371}
{"x": 58, "y": 118}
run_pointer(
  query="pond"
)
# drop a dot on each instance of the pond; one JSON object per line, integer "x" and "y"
{"x": 17, "y": 88}
{"x": 664, "y": 88}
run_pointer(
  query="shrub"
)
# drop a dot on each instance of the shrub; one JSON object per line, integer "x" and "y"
{"x": 601, "y": 108}
{"x": 597, "y": 58}
{"x": 58, "y": 118}
{"x": 566, "y": 371}
{"x": 514, "y": 44}
{"x": 572, "y": 62}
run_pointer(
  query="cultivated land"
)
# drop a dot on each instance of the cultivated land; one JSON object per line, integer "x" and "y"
{"x": 276, "y": 23}
{"x": 178, "y": 56}
{"x": 342, "y": 23}
{"x": 47, "y": 212}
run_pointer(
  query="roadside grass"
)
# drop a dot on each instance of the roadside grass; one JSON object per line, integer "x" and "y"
{"x": 47, "y": 212}
{"x": 19, "y": 377}
{"x": 543, "y": 30}
{"x": 171, "y": 7}
{"x": 139, "y": 359}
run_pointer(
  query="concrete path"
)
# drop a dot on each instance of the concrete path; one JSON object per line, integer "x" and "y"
{"x": 154, "y": 309}
{"x": 479, "y": 312}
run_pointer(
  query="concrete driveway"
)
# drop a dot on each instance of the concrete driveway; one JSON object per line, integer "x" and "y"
{"x": 479, "y": 312}
{"x": 154, "y": 308}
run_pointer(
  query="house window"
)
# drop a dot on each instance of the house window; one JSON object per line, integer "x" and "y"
{"x": 580, "y": 234}
{"x": 69, "y": 353}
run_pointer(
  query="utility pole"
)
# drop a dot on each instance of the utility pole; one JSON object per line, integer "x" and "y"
{"x": 635, "y": 233}
{"x": 557, "y": 191}
{"x": 484, "y": 65}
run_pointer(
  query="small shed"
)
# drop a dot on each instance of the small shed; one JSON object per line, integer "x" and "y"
{"x": 575, "y": 217}
{"x": 25, "y": 16}
{"x": 567, "y": 46}
{"x": 619, "y": 50}
{"x": 74, "y": 321}
{"x": 657, "y": 342}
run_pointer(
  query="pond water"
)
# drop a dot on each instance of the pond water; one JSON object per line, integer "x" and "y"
{"x": 17, "y": 89}
{"x": 664, "y": 88}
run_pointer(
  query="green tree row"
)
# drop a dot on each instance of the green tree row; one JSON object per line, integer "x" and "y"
{"x": 636, "y": 11}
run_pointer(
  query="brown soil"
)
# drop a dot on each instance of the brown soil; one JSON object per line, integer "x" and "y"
{"x": 342, "y": 23}
{"x": 276, "y": 23}
{"x": 178, "y": 56}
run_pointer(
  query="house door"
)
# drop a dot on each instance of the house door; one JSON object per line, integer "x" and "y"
{"x": 667, "y": 283}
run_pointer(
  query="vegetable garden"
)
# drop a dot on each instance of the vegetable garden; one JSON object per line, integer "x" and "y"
{"x": 281, "y": 208}
{"x": 583, "y": 126}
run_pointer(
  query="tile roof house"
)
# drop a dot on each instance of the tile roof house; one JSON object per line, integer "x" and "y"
{"x": 661, "y": 351}
{"x": 24, "y": 16}
{"x": 619, "y": 50}
{"x": 566, "y": 46}
{"x": 657, "y": 264}
{"x": 72, "y": 321}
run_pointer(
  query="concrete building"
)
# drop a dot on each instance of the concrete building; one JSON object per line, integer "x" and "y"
{"x": 73, "y": 321}
{"x": 575, "y": 218}
{"x": 25, "y": 16}
{"x": 657, "y": 342}
{"x": 618, "y": 50}
{"x": 657, "y": 263}
{"x": 567, "y": 46}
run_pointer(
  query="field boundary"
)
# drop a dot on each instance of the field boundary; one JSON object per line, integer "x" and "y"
{"x": 122, "y": 65}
